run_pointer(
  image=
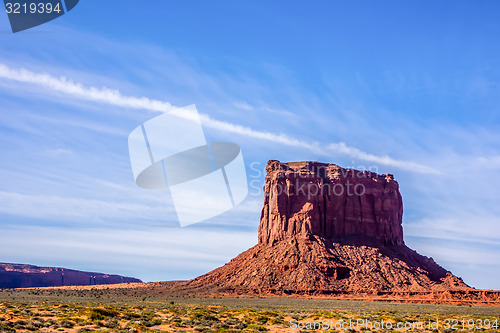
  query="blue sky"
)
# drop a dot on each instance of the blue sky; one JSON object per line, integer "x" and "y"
{"x": 410, "y": 89}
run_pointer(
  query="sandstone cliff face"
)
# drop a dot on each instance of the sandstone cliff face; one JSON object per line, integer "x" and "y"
{"x": 311, "y": 198}
{"x": 26, "y": 276}
{"x": 329, "y": 230}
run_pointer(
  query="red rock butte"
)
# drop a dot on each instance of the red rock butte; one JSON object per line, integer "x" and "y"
{"x": 327, "y": 230}
{"x": 311, "y": 198}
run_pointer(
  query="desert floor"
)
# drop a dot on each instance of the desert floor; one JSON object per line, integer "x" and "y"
{"x": 106, "y": 309}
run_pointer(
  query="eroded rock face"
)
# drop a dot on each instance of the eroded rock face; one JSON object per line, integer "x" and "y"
{"x": 311, "y": 198}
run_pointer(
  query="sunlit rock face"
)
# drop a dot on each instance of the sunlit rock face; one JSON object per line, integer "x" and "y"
{"x": 311, "y": 198}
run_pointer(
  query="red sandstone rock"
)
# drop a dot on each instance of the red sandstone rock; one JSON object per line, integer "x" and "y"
{"x": 311, "y": 198}
{"x": 329, "y": 230}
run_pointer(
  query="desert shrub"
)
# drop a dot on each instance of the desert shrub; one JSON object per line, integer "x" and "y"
{"x": 66, "y": 323}
{"x": 6, "y": 328}
{"x": 20, "y": 324}
{"x": 102, "y": 313}
{"x": 176, "y": 310}
{"x": 260, "y": 328}
{"x": 148, "y": 314}
{"x": 157, "y": 321}
{"x": 33, "y": 325}
{"x": 270, "y": 313}
{"x": 96, "y": 316}
{"x": 232, "y": 321}
{"x": 224, "y": 330}
{"x": 277, "y": 321}
{"x": 100, "y": 323}
{"x": 51, "y": 323}
{"x": 220, "y": 326}
{"x": 111, "y": 323}
{"x": 203, "y": 322}
{"x": 131, "y": 315}
{"x": 84, "y": 329}
{"x": 210, "y": 317}
{"x": 148, "y": 323}
{"x": 8, "y": 305}
{"x": 241, "y": 325}
{"x": 262, "y": 319}
{"x": 330, "y": 315}
{"x": 82, "y": 322}
{"x": 189, "y": 322}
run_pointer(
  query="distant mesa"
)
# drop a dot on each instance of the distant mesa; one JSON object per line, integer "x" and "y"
{"x": 327, "y": 230}
{"x": 27, "y": 276}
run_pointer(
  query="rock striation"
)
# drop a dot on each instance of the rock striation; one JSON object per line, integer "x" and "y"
{"x": 27, "y": 276}
{"x": 311, "y": 198}
{"x": 329, "y": 230}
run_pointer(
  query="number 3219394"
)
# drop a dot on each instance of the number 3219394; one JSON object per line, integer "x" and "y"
{"x": 32, "y": 8}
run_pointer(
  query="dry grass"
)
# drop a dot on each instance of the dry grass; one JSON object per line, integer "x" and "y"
{"x": 113, "y": 310}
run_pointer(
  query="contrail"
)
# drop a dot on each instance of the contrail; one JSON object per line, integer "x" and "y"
{"x": 114, "y": 97}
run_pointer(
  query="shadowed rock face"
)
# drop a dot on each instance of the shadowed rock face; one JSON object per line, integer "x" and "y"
{"x": 311, "y": 198}
{"x": 328, "y": 230}
{"x": 26, "y": 276}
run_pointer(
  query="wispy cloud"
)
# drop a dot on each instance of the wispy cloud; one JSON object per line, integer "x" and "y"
{"x": 115, "y": 98}
{"x": 66, "y": 86}
{"x": 466, "y": 228}
{"x": 57, "y": 152}
{"x": 61, "y": 208}
{"x": 244, "y": 106}
{"x": 384, "y": 160}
